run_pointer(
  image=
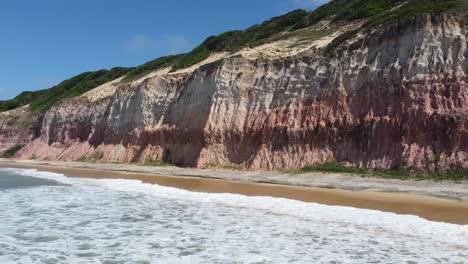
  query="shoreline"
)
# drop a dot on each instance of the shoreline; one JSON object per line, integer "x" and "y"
{"x": 450, "y": 207}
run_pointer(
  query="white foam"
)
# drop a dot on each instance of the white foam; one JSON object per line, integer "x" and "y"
{"x": 401, "y": 223}
{"x": 282, "y": 216}
{"x": 39, "y": 174}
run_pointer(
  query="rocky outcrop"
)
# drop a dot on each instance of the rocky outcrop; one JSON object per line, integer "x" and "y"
{"x": 8, "y": 137}
{"x": 393, "y": 97}
{"x": 18, "y": 126}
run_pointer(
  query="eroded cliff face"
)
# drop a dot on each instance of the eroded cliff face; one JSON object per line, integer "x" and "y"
{"x": 395, "y": 97}
{"x": 8, "y": 136}
{"x": 19, "y": 126}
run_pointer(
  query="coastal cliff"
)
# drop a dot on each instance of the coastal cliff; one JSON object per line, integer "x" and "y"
{"x": 392, "y": 97}
{"x": 18, "y": 127}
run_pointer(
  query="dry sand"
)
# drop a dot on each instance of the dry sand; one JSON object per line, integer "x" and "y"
{"x": 431, "y": 208}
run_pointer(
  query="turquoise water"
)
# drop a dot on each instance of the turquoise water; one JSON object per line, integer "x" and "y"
{"x": 49, "y": 218}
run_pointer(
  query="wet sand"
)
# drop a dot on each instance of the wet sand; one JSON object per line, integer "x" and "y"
{"x": 434, "y": 209}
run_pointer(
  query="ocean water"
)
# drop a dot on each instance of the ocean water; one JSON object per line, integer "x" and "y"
{"x": 49, "y": 218}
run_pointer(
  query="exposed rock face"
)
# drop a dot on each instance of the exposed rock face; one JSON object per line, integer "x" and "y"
{"x": 18, "y": 126}
{"x": 395, "y": 97}
{"x": 8, "y": 136}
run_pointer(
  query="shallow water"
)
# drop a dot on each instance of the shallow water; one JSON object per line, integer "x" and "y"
{"x": 48, "y": 218}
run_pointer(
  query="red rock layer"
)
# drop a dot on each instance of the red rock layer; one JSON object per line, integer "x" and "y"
{"x": 396, "y": 97}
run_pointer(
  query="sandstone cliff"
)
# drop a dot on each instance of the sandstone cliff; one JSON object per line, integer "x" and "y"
{"x": 396, "y": 96}
{"x": 18, "y": 127}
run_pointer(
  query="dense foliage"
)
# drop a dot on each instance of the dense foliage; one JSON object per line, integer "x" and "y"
{"x": 235, "y": 40}
{"x": 43, "y": 100}
{"x": 379, "y": 11}
{"x": 151, "y": 66}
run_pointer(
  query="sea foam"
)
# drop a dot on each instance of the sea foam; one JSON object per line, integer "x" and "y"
{"x": 160, "y": 224}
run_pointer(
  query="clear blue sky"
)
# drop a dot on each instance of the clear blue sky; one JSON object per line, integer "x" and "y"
{"x": 44, "y": 42}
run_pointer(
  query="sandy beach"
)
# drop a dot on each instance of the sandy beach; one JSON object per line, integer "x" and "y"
{"x": 435, "y": 201}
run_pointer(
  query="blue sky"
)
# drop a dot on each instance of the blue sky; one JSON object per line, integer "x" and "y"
{"x": 44, "y": 42}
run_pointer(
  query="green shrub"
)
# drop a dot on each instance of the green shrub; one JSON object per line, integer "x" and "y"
{"x": 332, "y": 167}
{"x": 86, "y": 159}
{"x": 157, "y": 163}
{"x": 22, "y": 99}
{"x": 197, "y": 55}
{"x": 151, "y": 66}
{"x": 457, "y": 174}
{"x": 224, "y": 166}
{"x": 12, "y": 151}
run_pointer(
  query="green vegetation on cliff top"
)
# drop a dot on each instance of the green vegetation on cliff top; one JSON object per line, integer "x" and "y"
{"x": 235, "y": 40}
{"x": 373, "y": 12}
{"x": 43, "y": 100}
{"x": 151, "y": 66}
{"x": 376, "y": 12}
